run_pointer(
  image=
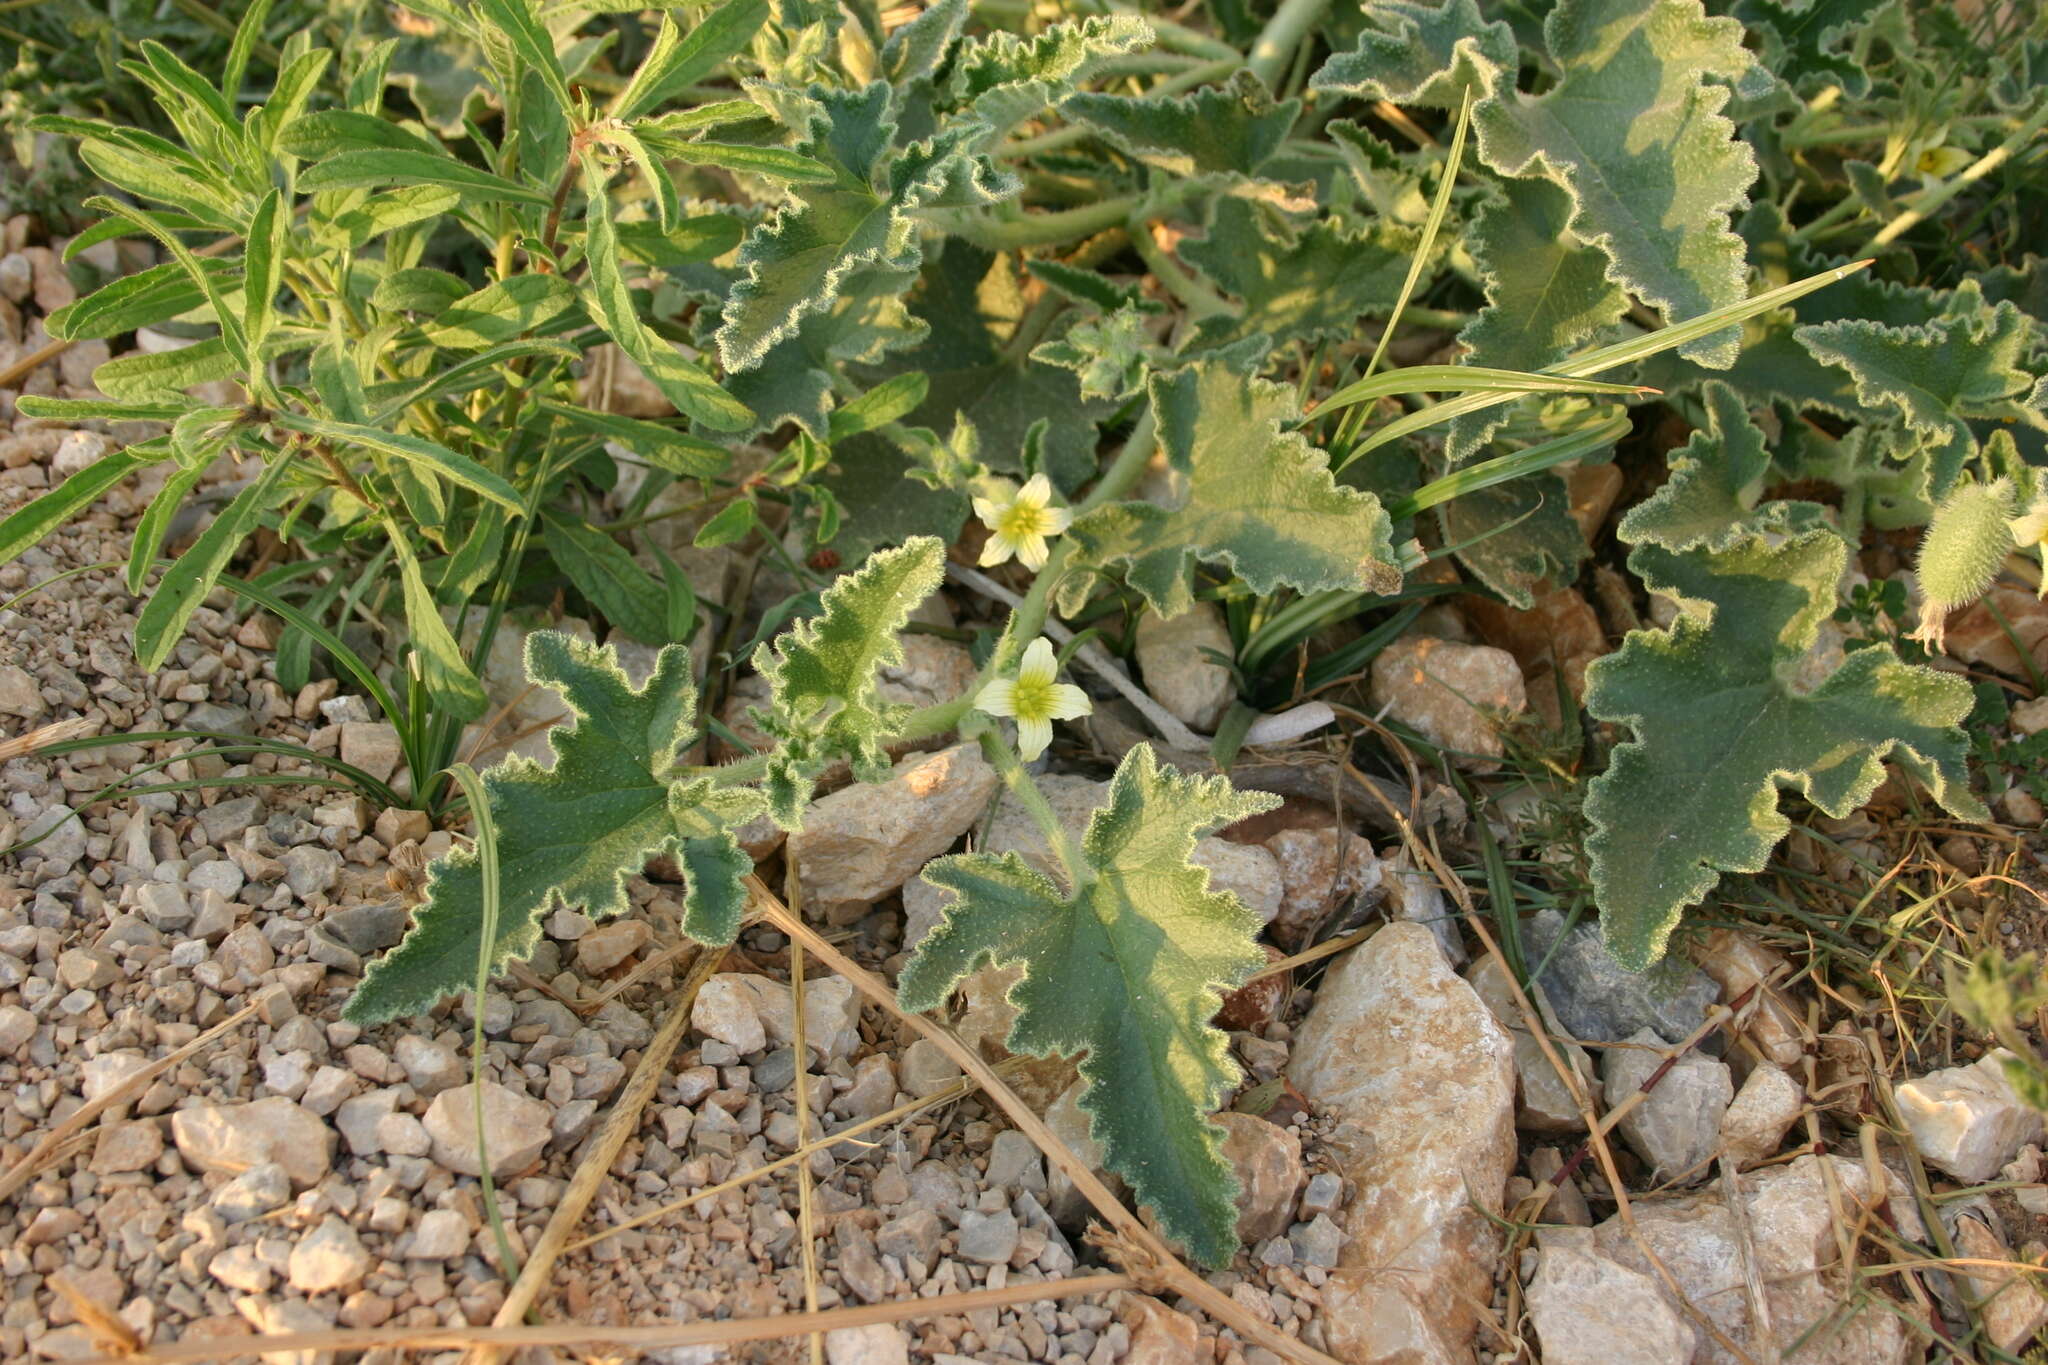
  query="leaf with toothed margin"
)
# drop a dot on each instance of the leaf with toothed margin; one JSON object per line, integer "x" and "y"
{"x": 571, "y": 835}
{"x": 822, "y": 673}
{"x": 1971, "y": 362}
{"x": 1633, "y": 130}
{"x": 1224, "y": 131}
{"x": 1002, "y": 78}
{"x": 1258, "y": 497}
{"x": 1724, "y": 714}
{"x": 1546, "y": 293}
{"x": 1306, "y": 283}
{"x": 1429, "y": 55}
{"x": 1128, "y": 968}
{"x": 1802, "y": 40}
{"x": 1711, "y": 497}
{"x": 794, "y": 262}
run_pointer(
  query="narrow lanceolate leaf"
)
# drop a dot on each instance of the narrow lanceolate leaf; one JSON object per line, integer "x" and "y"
{"x": 677, "y": 59}
{"x": 1725, "y": 711}
{"x": 517, "y": 20}
{"x": 1260, "y": 499}
{"x": 1430, "y": 55}
{"x": 1970, "y": 362}
{"x": 822, "y": 674}
{"x": 1297, "y": 283}
{"x": 1716, "y": 480}
{"x": 425, "y": 455}
{"x": 499, "y": 312}
{"x": 28, "y": 525}
{"x": 603, "y": 572}
{"x": 139, "y": 300}
{"x": 192, "y": 575}
{"x": 447, "y": 678}
{"x": 268, "y": 238}
{"x": 573, "y": 834}
{"x": 371, "y": 167}
{"x": 1633, "y": 129}
{"x": 1546, "y": 293}
{"x": 795, "y": 261}
{"x": 611, "y": 302}
{"x": 1128, "y": 968}
{"x": 1226, "y": 130}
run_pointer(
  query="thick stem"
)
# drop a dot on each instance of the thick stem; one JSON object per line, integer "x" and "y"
{"x": 1275, "y": 47}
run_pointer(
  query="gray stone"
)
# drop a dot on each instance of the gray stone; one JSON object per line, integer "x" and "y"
{"x": 1454, "y": 695}
{"x": 1014, "y": 1162}
{"x": 1968, "y": 1120}
{"x": 253, "y": 1193}
{"x": 1267, "y": 1160}
{"x": 63, "y": 836}
{"x": 329, "y": 1257}
{"x": 1677, "y": 1126}
{"x": 17, "y": 1026}
{"x": 364, "y": 929}
{"x": 1765, "y": 1108}
{"x": 430, "y": 1067}
{"x": 371, "y": 746}
{"x": 1546, "y": 1104}
{"x": 913, "y": 1238}
{"x": 1317, "y": 1242}
{"x": 927, "y": 1070}
{"x": 878, "y": 1343}
{"x": 1324, "y": 1193}
{"x": 516, "y": 1129}
{"x": 860, "y": 843}
{"x": 235, "y": 1137}
{"x": 1589, "y": 1310}
{"x": 1600, "y": 1001}
{"x": 600, "y": 950}
{"x": 1185, "y": 661}
{"x": 311, "y": 870}
{"x": 988, "y": 1238}
{"x": 441, "y": 1236}
{"x": 228, "y": 819}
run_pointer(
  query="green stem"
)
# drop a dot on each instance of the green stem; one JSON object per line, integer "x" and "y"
{"x": 1007, "y": 765}
{"x": 1036, "y": 229}
{"x": 1199, "y": 299}
{"x": 1275, "y": 47}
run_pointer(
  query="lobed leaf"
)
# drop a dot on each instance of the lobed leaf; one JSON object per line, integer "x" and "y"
{"x": 1229, "y": 131}
{"x": 1724, "y": 712}
{"x": 572, "y": 834}
{"x": 1259, "y": 498}
{"x": 822, "y": 673}
{"x": 1127, "y": 967}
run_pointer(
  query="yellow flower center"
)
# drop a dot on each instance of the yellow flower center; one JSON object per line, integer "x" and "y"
{"x": 1020, "y": 520}
{"x": 1032, "y": 699}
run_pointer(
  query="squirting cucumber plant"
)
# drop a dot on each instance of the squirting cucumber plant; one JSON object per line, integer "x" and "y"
{"x": 1128, "y": 293}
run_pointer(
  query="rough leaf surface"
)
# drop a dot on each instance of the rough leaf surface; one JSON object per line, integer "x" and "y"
{"x": 1429, "y": 55}
{"x": 1723, "y": 716}
{"x": 1306, "y": 283}
{"x": 571, "y": 835}
{"x": 1129, "y": 968}
{"x": 822, "y": 674}
{"x": 1633, "y": 129}
{"x": 1711, "y": 497}
{"x": 1259, "y": 498}
{"x": 1228, "y": 130}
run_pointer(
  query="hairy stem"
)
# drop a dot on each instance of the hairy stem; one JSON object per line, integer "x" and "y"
{"x": 1274, "y": 48}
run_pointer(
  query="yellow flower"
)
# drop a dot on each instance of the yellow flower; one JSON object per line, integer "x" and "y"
{"x": 2030, "y": 528}
{"x": 1034, "y": 698}
{"x": 1020, "y": 525}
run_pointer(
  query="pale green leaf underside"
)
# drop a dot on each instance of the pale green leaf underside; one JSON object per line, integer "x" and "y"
{"x": 1721, "y": 723}
{"x": 822, "y": 674}
{"x": 1633, "y": 129}
{"x": 571, "y": 835}
{"x": 1430, "y": 55}
{"x": 1259, "y": 498}
{"x": 1129, "y": 971}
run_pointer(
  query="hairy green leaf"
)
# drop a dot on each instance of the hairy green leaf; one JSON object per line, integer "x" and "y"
{"x": 1229, "y": 130}
{"x": 572, "y": 834}
{"x": 1969, "y": 362}
{"x": 1258, "y": 498}
{"x": 1129, "y": 967}
{"x": 1307, "y": 283}
{"x": 822, "y": 673}
{"x": 795, "y": 261}
{"x": 428, "y": 456}
{"x": 499, "y": 312}
{"x": 371, "y": 167}
{"x": 1546, "y": 293}
{"x": 603, "y": 572}
{"x": 1726, "y": 708}
{"x": 192, "y": 574}
{"x": 1711, "y": 497}
{"x": 1431, "y": 55}
{"x": 1633, "y": 129}
{"x": 27, "y": 525}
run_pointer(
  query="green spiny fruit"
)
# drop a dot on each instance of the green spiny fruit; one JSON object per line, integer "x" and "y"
{"x": 1965, "y": 545}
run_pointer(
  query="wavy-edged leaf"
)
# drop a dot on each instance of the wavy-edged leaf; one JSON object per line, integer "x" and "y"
{"x": 1002, "y": 77}
{"x": 795, "y": 382}
{"x": 1513, "y": 536}
{"x": 1307, "y": 283}
{"x": 795, "y": 262}
{"x": 1258, "y": 498}
{"x": 1228, "y": 130}
{"x": 1711, "y": 497}
{"x": 822, "y": 673}
{"x": 1969, "y": 362}
{"x": 572, "y": 834}
{"x": 1724, "y": 715}
{"x": 1430, "y": 55}
{"x": 1546, "y": 293}
{"x": 1128, "y": 968}
{"x": 1802, "y": 40}
{"x": 971, "y": 303}
{"x": 1633, "y": 129}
